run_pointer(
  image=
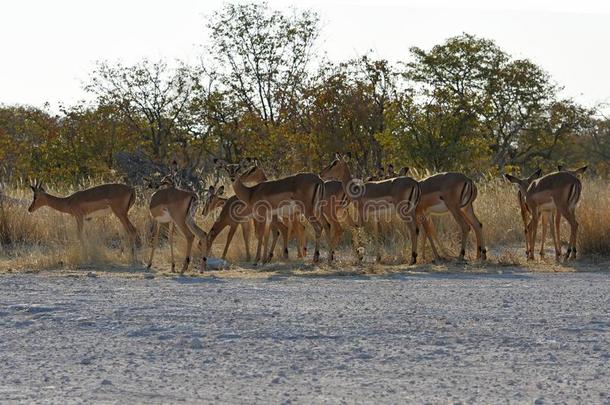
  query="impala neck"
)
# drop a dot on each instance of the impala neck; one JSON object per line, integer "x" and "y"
{"x": 241, "y": 191}
{"x": 346, "y": 178}
{"x": 219, "y": 202}
{"x": 58, "y": 203}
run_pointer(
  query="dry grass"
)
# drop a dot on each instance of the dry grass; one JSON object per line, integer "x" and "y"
{"x": 46, "y": 240}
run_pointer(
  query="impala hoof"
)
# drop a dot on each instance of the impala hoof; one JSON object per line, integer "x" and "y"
{"x": 413, "y": 258}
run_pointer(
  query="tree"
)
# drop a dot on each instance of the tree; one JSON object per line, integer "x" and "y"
{"x": 153, "y": 97}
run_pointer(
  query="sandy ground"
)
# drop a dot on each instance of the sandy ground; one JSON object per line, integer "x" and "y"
{"x": 438, "y": 338}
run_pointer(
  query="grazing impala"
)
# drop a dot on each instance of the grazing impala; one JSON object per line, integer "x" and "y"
{"x": 399, "y": 195}
{"x": 92, "y": 202}
{"x": 290, "y": 196}
{"x": 177, "y": 207}
{"x": 558, "y": 191}
{"x": 235, "y": 213}
{"x": 547, "y": 215}
{"x": 453, "y": 193}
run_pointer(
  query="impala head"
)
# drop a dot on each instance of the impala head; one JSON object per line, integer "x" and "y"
{"x": 232, "y": 169}
{"x": 40, "y": 196}
{"x": 391, "y": 172}
{"x": 336, "y": 169}
{"x": 212, "y": 199}
{"x": 403, "y": 171}
{"x": 255, "y": 174}
{"x": 168, "y": 181}
{"x": 576, "y": 172}
{"x": 523, "y": 183}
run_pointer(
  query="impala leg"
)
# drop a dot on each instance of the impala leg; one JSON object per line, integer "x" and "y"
{"x": 414, "y": 231}
{"x": 571, "y": 218}
{"x": 130, "y": 230}
{"x": 544, "y": 219}
{"x": 434, "y": 238}
{"x": 172, "y": 231}
{"x": 531, "y": 231}
{"x": 335, "y": 235}
{"x": 477, "y": 226}
{"x": 245, "y": 229}
{"x": 328, "y": 228}
{"x": 155, "y": 242}
{"x": 279, "y": 227}
{"x": 274, "y": 231}
{"x": 286, "y": 230}
{"x": 317, "y": 226}
{"x": 557, "y": 226}
{"x": 464, "y": 227}
{"x": 302, "y": 238}
{"x": 188, "y": 235}
{"x": 428, "y": 230}
{"x": 232, "y": 230}
{"x": 551, "y": 222}
{"x": 259, "y": 229}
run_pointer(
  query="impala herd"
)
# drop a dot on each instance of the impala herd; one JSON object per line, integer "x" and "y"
{"x": 281, "y": 207}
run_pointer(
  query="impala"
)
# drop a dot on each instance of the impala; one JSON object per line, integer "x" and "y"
{"x": 558, "y": 191}
{"x": 547, "y": 215}
{"x": 237, "y": 213}
{"x": 452, "y": 193}
{"x": 177, "y": 207}
{"x": 398, "y": 195}
{"x": 290, "y": 196}
{"x": 90, "y": 203}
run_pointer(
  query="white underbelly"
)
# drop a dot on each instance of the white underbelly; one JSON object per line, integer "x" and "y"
{"x": 549, "y": 206}
{"x": 164, "y": 217}
{"x": 99, "y": 213}
{"x": 438, "y": 209}
{"x": 286, "y": 210}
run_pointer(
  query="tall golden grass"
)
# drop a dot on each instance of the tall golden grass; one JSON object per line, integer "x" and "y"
{"x": 47, "y": 239}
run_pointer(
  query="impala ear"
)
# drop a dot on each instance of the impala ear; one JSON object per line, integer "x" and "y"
{"x": 221, "y": 190}
{"x": 337, "y": 156}
{"x": 211, "y": 189}
{"x": 534, "y": 175}
{"x": 560, "y": 168}
{"x": 347, "y": 156}
{"x": 581, "y": 170}
{"x": 512, "y": 178}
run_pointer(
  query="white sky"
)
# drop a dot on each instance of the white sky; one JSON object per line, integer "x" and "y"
{"x": 49, "y": 47}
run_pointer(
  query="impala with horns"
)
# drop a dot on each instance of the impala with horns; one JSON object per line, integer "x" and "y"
{"x": 547, "y": 215}
{"x": 177, "y": 207}
{"x": 90, "y": 203}
{"x": 559, "y": 191}
{"x": 290, "y": 197}
{"x": 235, "y": 213}
{"x": 399, "y": 195}
{"x": 452, "y": 193}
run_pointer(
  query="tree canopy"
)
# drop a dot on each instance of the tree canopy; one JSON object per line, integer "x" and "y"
{"x": 265, "y": 89}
